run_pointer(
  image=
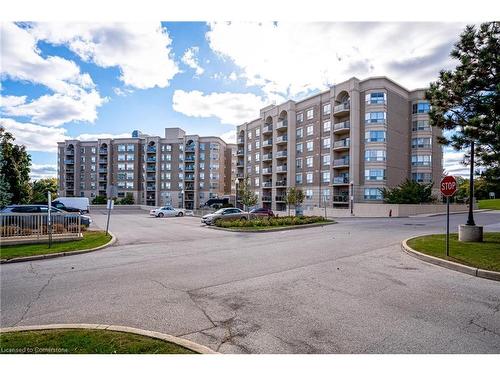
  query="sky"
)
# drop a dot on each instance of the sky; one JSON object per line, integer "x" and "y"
{"x": 89, "y": 80}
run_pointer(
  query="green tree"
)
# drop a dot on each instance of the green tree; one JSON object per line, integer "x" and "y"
{"x": 41, "y": 187}
{"x": 290, "y": 198}
{"x": 128, "y": 199}
{"x": 466, "y": 100}
{"x": 100, "y": 199}
{"x": 5, "y": 194}
{"x": 15, "y": 168}
{"x": 408, "y": 192}
{"x": 247, "y": 197}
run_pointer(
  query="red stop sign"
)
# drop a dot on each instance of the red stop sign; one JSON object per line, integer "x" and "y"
{"x": 448, "y": 186}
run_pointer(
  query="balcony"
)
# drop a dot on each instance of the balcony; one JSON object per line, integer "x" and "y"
{"x": 267, "y": 170}
{"x": 342, "y": 127}
{"x": 267, "y": 157}
{"x": 240, "y": 175}
{"x": 189, "y": 159}
{"x": 267, "y": 198}
{"x": 280, "y": 125}
{"x": 341, "y": 180}
{"x": 343, "y": 162}
{"x": 240, "y": 152}
{"x": 69, "y": 161}
{"x": 267, "y": 143}
{"x": 281, "y": 183}
{"x": 69, "y": 152}
{"x": 341, "y": 109}
{"x": 280, "y": 198}
{"x": 103, "y": 161}
{"x": 281, "y": 154}
{"x": 151, "y": 150}
{"x": 281, "y": 139}
{"x": 340, "y": 199}
{"x": 189, "y": 187}
{"x": 189, "y": 177}
{"x": 267, "y": 184}
{"x": 103, "y": 170}
{"x": 70, "y": 170}
{"x": 240, "y": 164}
{"x": 102, "y": 187}
{"x": 151, "y": 160}
{"x": 190, "y": 149}
{"x": 343, "y": 144}
{"x": 151, "y": 188}
{"x": 103, "y": 151}
{"x": 267, "y": 129}
{"x": 281, "y": 169}
{"x": 150, "y": 169}
{"x": 151, "y": 178}
{"x": 241, "y": 140}
{"x": 103, "y": 179}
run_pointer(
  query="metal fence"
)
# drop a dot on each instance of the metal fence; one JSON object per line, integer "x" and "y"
{"x": 35, "y": 226}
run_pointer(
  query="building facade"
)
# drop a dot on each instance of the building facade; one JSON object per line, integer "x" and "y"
{"x": 179, "y": 170}
{"x": 340, "y": 146}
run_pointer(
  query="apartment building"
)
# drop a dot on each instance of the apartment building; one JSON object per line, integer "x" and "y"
{"x": 340, "y": 146}
{"x": 179, "y": 170}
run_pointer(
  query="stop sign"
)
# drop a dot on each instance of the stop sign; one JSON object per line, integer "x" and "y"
{"x": 448, "y": 186}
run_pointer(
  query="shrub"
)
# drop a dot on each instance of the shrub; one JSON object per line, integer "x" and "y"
{"x": 99, "y": 200}
{"x": 269, "y": 222}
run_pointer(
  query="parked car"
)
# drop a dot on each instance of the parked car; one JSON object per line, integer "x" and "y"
{"x": 262, "y": 212}
{"x": 63, "y": 207}
{"x": 167, "y": 211}
{"x": 230, "y": 213}
{"x": 216, "y": 203}
{"x": 82, "y": 203}
{"x": 40, "y": 209}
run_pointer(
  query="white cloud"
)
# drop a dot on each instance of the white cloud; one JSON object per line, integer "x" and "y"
{"x": 140, "y": 50}
{"x": 190, "y": 59}
{"x": 39, "y": 171}
{"x": 95, "y": 136}
{"x": 452, "y": 163}
{"x": 230, "y": 108}
{"x": 229, "y": 137}
{"x": 34, "y": 137}
{"x": 55, "y": 109}
{"x": 292, "y": 58}
{"x": 233, "y": 76}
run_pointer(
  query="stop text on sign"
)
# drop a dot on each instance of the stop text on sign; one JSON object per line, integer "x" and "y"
{"x": 448, "y": 186}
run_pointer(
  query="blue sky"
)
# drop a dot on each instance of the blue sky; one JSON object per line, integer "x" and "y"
{"x": 87, "y": 80}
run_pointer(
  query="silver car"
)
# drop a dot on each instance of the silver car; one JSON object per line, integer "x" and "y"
{"x": 230, "y": 213}
{"x": 166, "y": 211}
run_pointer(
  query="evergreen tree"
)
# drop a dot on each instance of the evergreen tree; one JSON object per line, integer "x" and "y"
{"x": 5, "y": 194}
{"x": 409, "y": 192}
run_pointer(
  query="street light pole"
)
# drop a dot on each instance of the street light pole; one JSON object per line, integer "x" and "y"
{"x": 470, "y": 219}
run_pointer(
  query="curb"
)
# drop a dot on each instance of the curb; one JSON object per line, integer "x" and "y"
{"x": 473, "y": 271}
{"x": 62, "y": 254}
{"x": 451, "y": 213}
{"x": 153, "y": 334}
{"x": 303, "y": 226}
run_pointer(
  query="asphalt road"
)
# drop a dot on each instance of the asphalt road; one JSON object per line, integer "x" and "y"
{"x": 344, "y": 288}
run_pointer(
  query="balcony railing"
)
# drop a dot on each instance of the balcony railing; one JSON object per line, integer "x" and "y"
{"x": 280, "y": 198}
{"x": 240, "y": 164}
{"x": 151, "y": 188}
{"x": 345, "y": 143}
{"x": 103, "y": 170}
{"x": 151, "y": 160}
{"x": 282, "y": 124}
{"x": 282, "y": 139}
{"x": 240, "y": 152}
{"x": 340, "y": 199}
{"x": 189, "y": 177}
{"x": 267, "y": 184}
{"x": 151, "y": 149}
{"x": 103, "y": 151}
{"x": 189, "y": 159}
{"x": 341, "y": 108}
{"x": 69, "y": 161}
{"x": 150, "y": 169}
{"x": 69, "y": 153}
{"x": 240, "y": 175}
{"x": 281, "y": 168}
{"x": 341, "y": 162}
{"x": 345, "y": 125}
{"x": 267, "y": 129}
{"x": 267, "y": 170}
{"x": 190, "y": 149}
{"x": 268, "y": 156}
{"x": 281, "y": 154}
{"x": 267, "y": 143}
{"x": 103, "y": 161}
{"x": 241, "y": 140}
{"x": 341, "y": 180}
{"x": 70, "y": 170}
{"x": 267, "y": 198}
{"x": 281, "y": 183}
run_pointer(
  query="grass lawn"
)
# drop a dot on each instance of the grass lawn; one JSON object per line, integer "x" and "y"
{"x": 275, "y": 227}
{"x": 491, "y": 204}
{"x": 90, "y": 240}
{"x": 485, "y": 255}
{"x": 85, "y": 341}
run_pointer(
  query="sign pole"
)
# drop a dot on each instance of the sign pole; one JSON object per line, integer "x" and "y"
{"x": 447, "y": 226}
{"x": 110, "y": 207}
{"x": 49, "y": 218}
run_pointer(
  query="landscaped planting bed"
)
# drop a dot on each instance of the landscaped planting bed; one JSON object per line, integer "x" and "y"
{"x": 273, "y": 222}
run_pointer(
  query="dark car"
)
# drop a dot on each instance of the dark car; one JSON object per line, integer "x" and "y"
{"x": 63, "y": 207}
{"x": 217, "y": 203}
{"x": 40, "y": 209}
{"x": 262, "y": 212}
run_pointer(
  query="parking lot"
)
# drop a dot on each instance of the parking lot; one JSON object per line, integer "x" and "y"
{"x": 343, "y": 288}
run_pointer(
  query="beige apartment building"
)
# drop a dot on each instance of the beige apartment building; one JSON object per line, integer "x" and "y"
{"x": 340, "y": 146}
{"x": 179, "y": 170}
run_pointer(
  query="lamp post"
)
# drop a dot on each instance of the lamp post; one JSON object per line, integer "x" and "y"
{"x": 470, "y": 219}
{"x": 351, "y": 197}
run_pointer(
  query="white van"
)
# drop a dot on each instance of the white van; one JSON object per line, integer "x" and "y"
{"x": 81, "y": 203}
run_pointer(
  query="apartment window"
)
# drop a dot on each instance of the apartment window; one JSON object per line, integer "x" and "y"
{"x": 310, "y": 113}
{"x": 181, "y": 176}
{"x": 168, "y": 166}
{"x": 249, "y": 147}
{"x": 375, "y": 136}
{"x": 421, "y": 160}
{"x": 326, "y": 159}
{"x": 130, "y": 175}
{"x": 374, "y": 155}
{"x": 130, "y": 166}
{"x": 299, "y": 148}
{"x": 130, "y": 157}
{"x": 327, "y": 126}
{"x": 299, "y": 133}
{"x": 257, "y": 157}
{"x": 93, "y": 150}
{"x": 309, "y": 162}
{"x": 129, "y": 185}
{"x": 180, "y": 185}
{"x": 121, "y": 157}
{"x": 310, "y": 130}
{"x": 93, "y": 159}
{"x": 168, "y": 147}
{"x": 309, "y": 178}
{"x": 257, "y": 182}
{"x": 298, "y": 163}
{"x": 309, "y": 194}
{"x": 82, "y": 150}
{"x": 121, "y": 148}
{"x": 298, "y": 178}
{"x": 375, "y": 117}
{"x": 82, "y": 158}
{"x": 257, "y": 132}
{"x": 121, "y": 184}
{"x": 300, "y": 117}
{"x": 82, "y": 186}
{"x": 420, "y": 125}
{"x": 310, "y": 145}
{"x": 374, "y": 174}
{"x": 257, "y": 143}
{"x": 421, "y": 177}
{"x": 202, "y": 175}
{"x": 168, "y": 175}
{"x": 326, "y": 177}
{"x": 421, "y": 107}
{"x": 121, "y": 166}
{"x": 202, "y": 185}
{"x": 181, "y": 147}
{"x": 202, "y": 146}
{"x": 373, "y": 194}
{"x": 93, "y": 185}
{"x": 421, "y": 143}
{"x": 93, "y": 168}
{"x": 376, "y": 98}
{"x": 257, "y": 169}
{"x": 326, "y": 143}
{"x": 249, "y": 158}
{"x": 130, "y": 147}
{"x": 327, "y": 109}
{"x": 249, "y": 135}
